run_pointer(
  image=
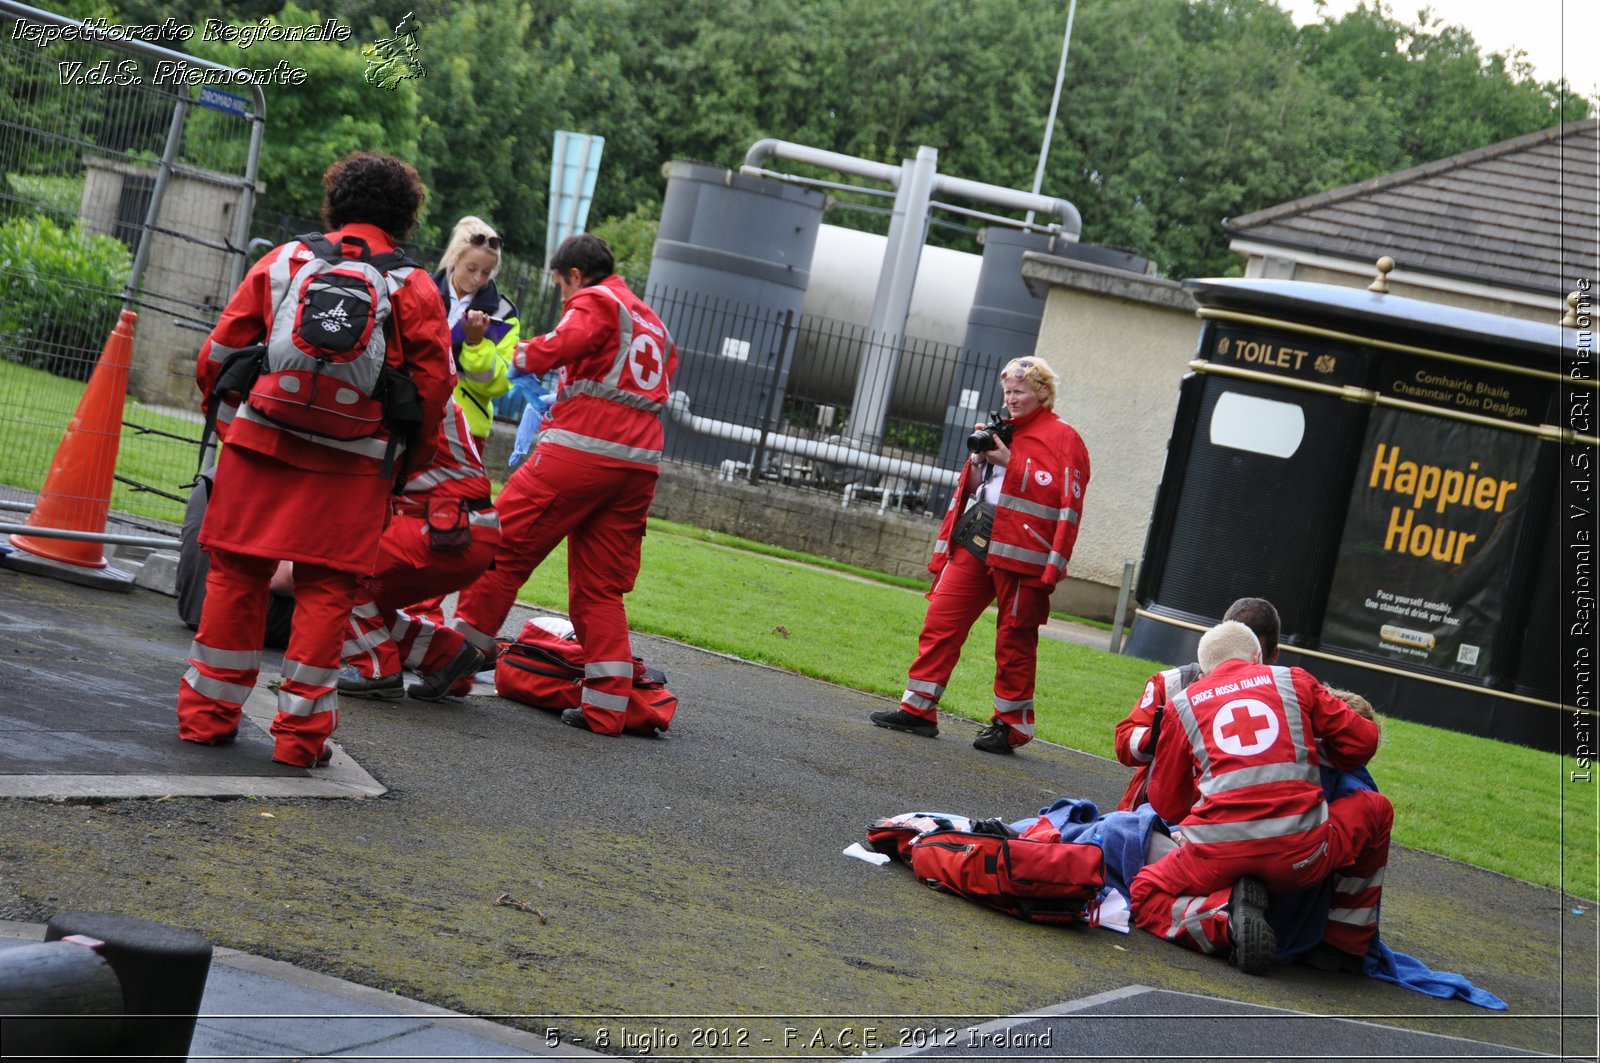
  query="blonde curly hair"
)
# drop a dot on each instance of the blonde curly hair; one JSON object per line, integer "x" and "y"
{"x": 1038, "y": 374}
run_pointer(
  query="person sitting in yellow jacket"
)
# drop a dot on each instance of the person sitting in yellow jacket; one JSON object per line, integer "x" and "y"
{"x": 483, "y": 323}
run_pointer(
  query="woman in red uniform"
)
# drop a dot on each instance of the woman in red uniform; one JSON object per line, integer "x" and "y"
{"x": 284, "y": 495}
{"x": 1007, "y": 537}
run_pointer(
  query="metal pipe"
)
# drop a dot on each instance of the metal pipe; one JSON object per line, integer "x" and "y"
{"x": 155, "y": 542}
{"x": 768, "y": 148}
{"x": 1055, "y": 103}
{"x": 1122, "y": 606}
{"x": 833, "y": 453}
{"x": 1071, "y": 220}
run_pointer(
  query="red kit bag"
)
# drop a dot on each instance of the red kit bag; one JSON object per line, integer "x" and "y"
{"x": 544, "y": 668}
{"x": 1042, "y": 882}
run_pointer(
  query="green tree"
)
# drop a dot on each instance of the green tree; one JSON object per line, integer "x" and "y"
{"x": 333, "y": 112}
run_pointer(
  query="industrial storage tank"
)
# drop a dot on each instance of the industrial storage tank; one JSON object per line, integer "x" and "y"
{"x": 731, "y": 265}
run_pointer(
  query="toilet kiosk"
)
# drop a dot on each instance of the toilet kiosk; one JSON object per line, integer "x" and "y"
{"x": 1404, "y": 480}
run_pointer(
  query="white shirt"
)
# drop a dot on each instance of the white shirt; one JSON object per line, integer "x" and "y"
{"x": 458, "y": 305}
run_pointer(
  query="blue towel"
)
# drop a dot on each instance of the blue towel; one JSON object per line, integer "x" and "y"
{"x": 1386, "y": 965}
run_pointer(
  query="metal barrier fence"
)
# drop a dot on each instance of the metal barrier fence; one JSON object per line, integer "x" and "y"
{"x": 765, "y": 395}
{"x": 121, "y": 184}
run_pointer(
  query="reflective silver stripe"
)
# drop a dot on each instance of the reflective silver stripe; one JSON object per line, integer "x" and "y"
{"x": 917, "y": 701}
{"x": 1057, "y": 561}
{"x": 941, "y": 546}
{"x": 1069, "y": 515}
{"x": 1003, "y": 705}
{"x": 608, "y": 670}
{"x": 307, "y": 675}
{"x": 365, "y": 609}
{"x": 922, "y": 686}
{"x": 426, "y": 481}
{"x": 600, "y": 700}
{"x": 295, "y": 705}
{"x": 1258, "y": 775}
{"x": 1135, "y": 740}
{"x": 1186, "y": 918}
{"x": 624, "y": 337}
{"x": 220, "y": 353}
{"x": 1293, "y": 716}
{"x": 226, "y": 411}
{"x": 369, "y": 447}
{"x": 601, "y": 390}
{"x": 278, "y": 275}
{"x": 216, "y": 689}
{"x": 484, "y": 518}
{"x": 1255, "y": 829}
{"x": 234, "y": 660}
{"x": 1018, "y": 553}
{"x": 420, "y": 645}
{"x": 364, "y": 642}
{"x": 485, "y": 377}
{"x": 1033, "y": 509}
{"x": 484, "y": 642}
{"x": 604, "y": 447}
{"x": 1191, "y": 730}
{"x": 1346, "y": 884}
{"x": 1353, "y": 916}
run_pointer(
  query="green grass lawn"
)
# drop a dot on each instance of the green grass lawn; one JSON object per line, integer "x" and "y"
{"x": 1496, "y": 805}
{"x": 35, "y": 410}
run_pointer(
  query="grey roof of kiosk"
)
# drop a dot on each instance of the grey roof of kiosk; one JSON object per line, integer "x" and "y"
{"x": 1389, "y": 317}
{"x": 1517, "y": 214}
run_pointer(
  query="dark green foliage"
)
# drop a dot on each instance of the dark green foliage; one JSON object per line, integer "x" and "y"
{"x": 60, "y": 291}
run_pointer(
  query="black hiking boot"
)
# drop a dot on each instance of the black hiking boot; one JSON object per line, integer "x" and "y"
{"x": 379, "y": 687}
{"x": 996, "y": 738}
{"x": 900, "y": 720}
{"x": 468, "y": 661}
{"x": 1254, "y": 942}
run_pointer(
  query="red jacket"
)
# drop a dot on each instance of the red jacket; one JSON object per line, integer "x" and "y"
{"x": 1133, "y": 734}
{"x": 1238, "y": 758}
{"x": 292, "y": 497}
{"x": 456, "y": 470}
{"x": 1041, "y": 501}
{"x": 616, "y": 361}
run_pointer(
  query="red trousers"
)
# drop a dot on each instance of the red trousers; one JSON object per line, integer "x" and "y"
{"x": 558, "y": 494}
{"x": 960, "y": 594}
{"x": 382, "y": 638}
{"x": 1183, "y": 897}
{"x": 225, "y": 657}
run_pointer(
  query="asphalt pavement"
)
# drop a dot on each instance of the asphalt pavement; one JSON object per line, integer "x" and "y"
{"x": 475, "y": 881}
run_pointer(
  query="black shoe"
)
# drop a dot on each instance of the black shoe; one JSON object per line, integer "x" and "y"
{"x": 1254, "y": 942}
{"x": 996, "y": 738}
{"x": 378, "y": 687}
{"x": 900, "y": 720}
{"x": 469, "y": 660}
{"x": 575, "y": 718}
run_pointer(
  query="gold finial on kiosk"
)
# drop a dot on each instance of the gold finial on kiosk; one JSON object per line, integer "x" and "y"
{"x": 1380, "y": 283}
{"x": 1570, "y": 320}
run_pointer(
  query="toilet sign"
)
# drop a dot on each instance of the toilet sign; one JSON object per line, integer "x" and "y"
{"x": 1428, "y": 540}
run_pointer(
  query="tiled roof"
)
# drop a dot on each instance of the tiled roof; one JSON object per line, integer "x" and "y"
{"x": 1519, "y": 214}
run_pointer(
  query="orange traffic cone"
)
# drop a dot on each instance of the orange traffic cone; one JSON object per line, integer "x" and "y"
{"x": 77, "y": 492}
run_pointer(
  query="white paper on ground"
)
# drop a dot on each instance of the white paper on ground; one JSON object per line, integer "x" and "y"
{"x": 861, "y": 852}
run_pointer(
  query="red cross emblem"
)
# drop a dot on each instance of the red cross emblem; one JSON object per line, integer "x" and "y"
{"x": 1245, "y": 727}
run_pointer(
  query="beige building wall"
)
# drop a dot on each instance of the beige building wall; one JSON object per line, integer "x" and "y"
{"x": 1121, "y": 343}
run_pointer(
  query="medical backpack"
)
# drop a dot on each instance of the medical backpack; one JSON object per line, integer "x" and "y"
{"x": 544, "y": 668}
{"x": 323, "y": 368}
{"x": 1041, "y": 881}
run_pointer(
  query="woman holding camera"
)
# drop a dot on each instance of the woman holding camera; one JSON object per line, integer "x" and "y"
{"x": 1007, "y": 537}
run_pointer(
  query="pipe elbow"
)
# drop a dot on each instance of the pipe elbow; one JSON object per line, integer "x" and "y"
{"x": 761, "y": 151}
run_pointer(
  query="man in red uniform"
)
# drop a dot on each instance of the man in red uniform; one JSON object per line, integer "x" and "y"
{"x": 1031, "y": 492}
{"x": 1238, "y": 772}
{"x": 287, "y": 495}
{"x": 589, "y": 480}
{"x": 442, "y": 536}
{"x": 1136, "y": 735}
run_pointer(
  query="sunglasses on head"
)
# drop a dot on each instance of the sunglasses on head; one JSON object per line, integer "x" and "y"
{"x": 1020, "y": 370}
{"x": 479, "y": 239}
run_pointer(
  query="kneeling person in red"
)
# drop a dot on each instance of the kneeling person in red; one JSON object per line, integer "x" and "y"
{"x": 442, "y": 535}
{"x": 1238, "y": 771}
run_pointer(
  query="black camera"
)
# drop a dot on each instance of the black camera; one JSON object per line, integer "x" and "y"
{"x": 997, "y": 427}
